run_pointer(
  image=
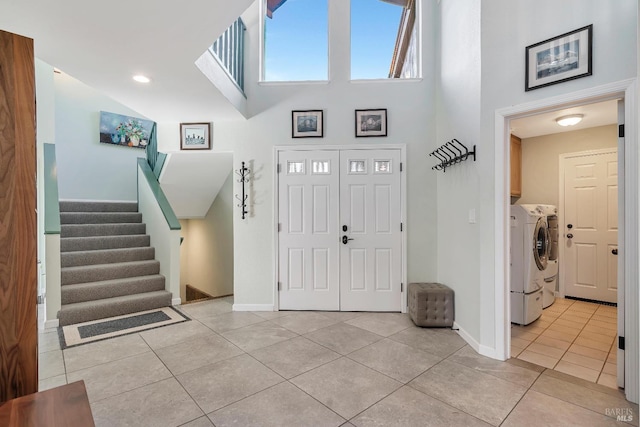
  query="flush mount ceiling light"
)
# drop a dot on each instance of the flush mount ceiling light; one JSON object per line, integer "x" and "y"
{"x": 570, "y": 120}
{"x": 141, "y": 79}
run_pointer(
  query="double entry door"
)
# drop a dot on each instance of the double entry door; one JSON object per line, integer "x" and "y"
{"x": 339, "y": 230}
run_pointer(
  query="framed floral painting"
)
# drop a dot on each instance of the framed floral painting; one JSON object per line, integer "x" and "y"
{"x": 118, "y": 129}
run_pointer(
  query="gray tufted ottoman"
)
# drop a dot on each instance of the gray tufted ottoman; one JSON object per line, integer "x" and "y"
{"x": 431, "y": 304}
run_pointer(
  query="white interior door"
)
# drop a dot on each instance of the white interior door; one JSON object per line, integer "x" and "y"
{"x": 370, "y": 221}
{"x": 591, "y": 225}
{"x": 308, "y": 230}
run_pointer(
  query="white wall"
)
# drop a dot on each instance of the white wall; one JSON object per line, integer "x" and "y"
{"x": 507, "y": 27}
{"x": 207, "y": 263}
{"x": 459, "y": 117}
{"x": 45, "y": 134}
{"x": 541, "y": 160}
{"x": 411, "y": 120}
{"x": 87, "y": 169}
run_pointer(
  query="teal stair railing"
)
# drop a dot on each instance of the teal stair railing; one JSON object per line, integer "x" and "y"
{"x": 159, "y": 195}
{"x": 155, "y": 158}
{"x": 229, "y": 51}
{"x": 51, "y": 202}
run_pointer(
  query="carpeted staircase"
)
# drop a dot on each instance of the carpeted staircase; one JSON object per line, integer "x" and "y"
{"x": 108, "y": 266}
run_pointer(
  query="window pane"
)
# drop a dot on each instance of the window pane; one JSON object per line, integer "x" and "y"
{"x": 357, "y": 166}
{"x": 295, "y": 167}
{"x": 378, "y": 30}
{"x": 320, "y": 166}
{"x": 296, "y": 40}
{"x": 382, "y": 166}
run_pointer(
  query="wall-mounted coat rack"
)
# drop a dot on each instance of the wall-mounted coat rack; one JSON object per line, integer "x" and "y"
{"x": 243, "y": 173}
{"x": 451, "y": 153}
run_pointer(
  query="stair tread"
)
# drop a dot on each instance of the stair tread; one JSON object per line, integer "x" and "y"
{"x": 112, "y": 281}
{"x": 111, "y": 265}
{"x": 97, "y": 206}
{"x": 112, "y": 236}
{"x": 112, "y": 300}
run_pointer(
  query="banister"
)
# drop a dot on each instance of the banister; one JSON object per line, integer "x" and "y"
{"x": 159, "y": 195}
{"x": 51, "y": 201}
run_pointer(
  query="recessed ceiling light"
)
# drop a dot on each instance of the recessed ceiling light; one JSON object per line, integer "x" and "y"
{"x": 570, "y": 120}
{"x": 141, "y": 79}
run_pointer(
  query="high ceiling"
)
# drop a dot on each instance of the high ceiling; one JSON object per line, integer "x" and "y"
{"x": 597, "y": 114}
{"x": 103, "y": 44}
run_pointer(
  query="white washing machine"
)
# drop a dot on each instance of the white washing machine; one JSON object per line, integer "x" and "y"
{"x": 529, "y": 257}
{"x": 551, "y": 272}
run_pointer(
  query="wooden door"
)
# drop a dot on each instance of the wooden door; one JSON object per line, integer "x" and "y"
{"x": 18, "y": 258}
{"x": 516, "y": 166}
{"x": 591, "y": 225}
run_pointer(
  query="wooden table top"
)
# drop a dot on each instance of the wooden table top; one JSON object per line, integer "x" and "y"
{"x": 65, "y": 406}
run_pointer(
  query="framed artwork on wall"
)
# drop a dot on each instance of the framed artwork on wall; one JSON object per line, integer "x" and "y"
{"x": 118, "y": 129}
{"x": 306, "y": 124}
{"x": 195, "y": 136}
{"x": 371, "y": 122}
{"x": 559, "y": 59}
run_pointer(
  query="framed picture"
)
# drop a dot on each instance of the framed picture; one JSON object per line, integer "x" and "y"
{"x": 117, "y": 129}
{"x": 195, "y": 136}
{"x": 306, "y": 124}
{"x": 371, "y": 122}
{"x": 559, "y": 59}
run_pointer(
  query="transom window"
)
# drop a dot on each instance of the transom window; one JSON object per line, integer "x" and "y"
{"x": 296, "y": 34}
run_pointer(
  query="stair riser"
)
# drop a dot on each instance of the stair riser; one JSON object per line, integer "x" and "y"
{"x": 98, "y": 207}
{"x": 79, "y": 258}
{"x": 73, "y": 244}
{"x": 102, "y": 309}
{"x": 108, "y": 272}
{"x": 89, "y": 230}
{"x": 79, "y": 293}
{"x": 100, "y": 218}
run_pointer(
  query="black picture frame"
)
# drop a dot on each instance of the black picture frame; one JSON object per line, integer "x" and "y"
{"x": 371, "y": 123}
{"x": 559, "y": 59}
{"x": 307, "y": 124}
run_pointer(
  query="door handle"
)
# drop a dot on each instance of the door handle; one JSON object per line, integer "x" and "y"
{"x": 614, "y": 251}
{"x": 569, "y": 236}
{"x": 345, "y": 240}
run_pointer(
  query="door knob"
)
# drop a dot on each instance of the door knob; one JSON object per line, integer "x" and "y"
{"x": 614, "y": 251}
{"x": 569, "y": 236}
{"x": 345, "y": 240}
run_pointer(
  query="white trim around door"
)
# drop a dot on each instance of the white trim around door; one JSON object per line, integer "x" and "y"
{"x": 339, "y": 148}
{"x": 627, "y": 90}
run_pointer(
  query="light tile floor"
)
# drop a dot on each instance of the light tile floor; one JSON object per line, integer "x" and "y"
{"x": 225, "y": 368}
{"x": 574, "y": 337}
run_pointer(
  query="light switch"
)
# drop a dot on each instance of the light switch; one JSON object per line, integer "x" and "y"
{"x": 472, "y": 216}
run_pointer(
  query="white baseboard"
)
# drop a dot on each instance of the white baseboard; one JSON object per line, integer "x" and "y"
{"x": 253, "y": 307}
{"x": 51, "y": 323}
{"x": 479, "y": 348}
{"x": 176, "y": 301}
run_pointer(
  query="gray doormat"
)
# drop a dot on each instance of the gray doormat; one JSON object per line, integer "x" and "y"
{"x": 102, "y": 329}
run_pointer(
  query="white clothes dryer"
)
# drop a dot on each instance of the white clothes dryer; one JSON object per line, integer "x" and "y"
{"x": 551, "y": 272}
{"x": 529, "y": 259}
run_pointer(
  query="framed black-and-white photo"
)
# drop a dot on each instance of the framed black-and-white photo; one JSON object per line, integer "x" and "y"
{"x": 371, "y": 122}
{"x": 559, "y": 59}
{"x": 195, "y": 136}
{"x": 306, "y": 124}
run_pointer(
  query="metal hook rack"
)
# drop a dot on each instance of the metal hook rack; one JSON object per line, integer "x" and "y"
{"x": 243, "y": 173}
{"x": 451, "y": 153}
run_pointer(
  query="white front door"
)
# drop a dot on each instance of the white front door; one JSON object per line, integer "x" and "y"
{"x": 591, "y": 225}
{"x": 370, "y": 212}
{"x": 323, "y": 198}
{"x": 308, "y": 230}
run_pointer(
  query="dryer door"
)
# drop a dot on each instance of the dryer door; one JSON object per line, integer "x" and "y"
{"x": 541, "y": 244}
